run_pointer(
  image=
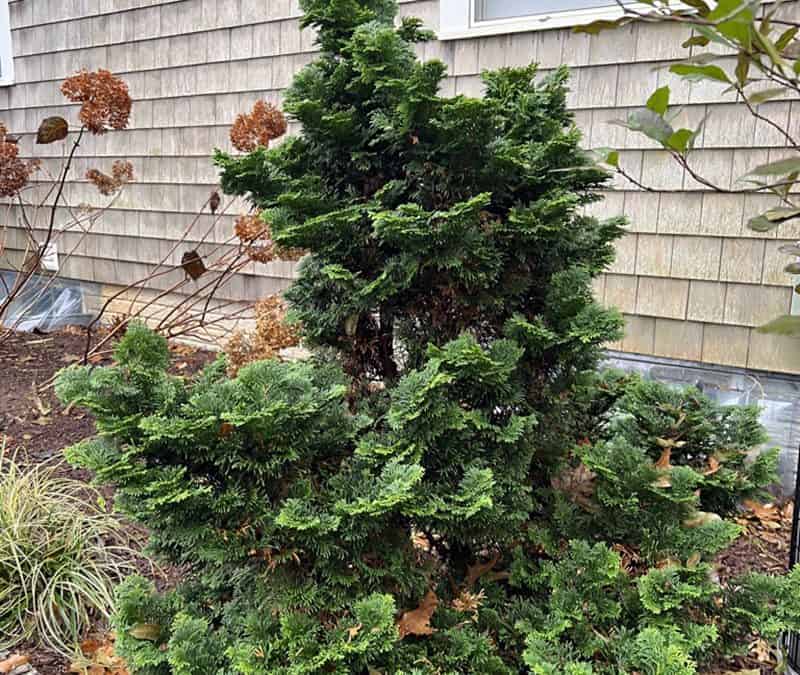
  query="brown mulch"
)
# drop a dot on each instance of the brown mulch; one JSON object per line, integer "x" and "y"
{"x": 38, "y": 427}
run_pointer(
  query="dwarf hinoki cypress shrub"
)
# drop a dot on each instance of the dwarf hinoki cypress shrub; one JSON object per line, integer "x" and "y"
{"x": 443, "y": 487}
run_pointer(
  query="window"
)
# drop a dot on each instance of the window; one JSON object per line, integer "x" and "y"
{"x": 6, "y": 52}
{"x": 471, "y": 18}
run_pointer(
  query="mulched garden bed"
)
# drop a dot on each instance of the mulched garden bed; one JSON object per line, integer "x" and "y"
{"x": 38, "y": 427}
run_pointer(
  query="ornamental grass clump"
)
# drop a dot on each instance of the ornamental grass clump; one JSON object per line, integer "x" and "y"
{"x": 444, "y": 486}
{"x": 61, "y": 556}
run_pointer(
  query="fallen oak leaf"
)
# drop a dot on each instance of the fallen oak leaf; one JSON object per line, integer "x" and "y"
{"x": 767, "y": 514}
{"x": 418, "y": 621}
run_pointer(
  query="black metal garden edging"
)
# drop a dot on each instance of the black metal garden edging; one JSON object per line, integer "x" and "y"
{"x": 792, "y": 640}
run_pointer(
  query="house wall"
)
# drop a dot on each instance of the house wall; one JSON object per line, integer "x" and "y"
{"x": 691, "y": 279}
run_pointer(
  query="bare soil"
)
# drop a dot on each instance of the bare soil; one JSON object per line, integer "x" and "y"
{"x": 36, "y": 427}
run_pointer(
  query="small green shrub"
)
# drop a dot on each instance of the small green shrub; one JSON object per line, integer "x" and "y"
{"x": 60, "y": 557}
{"x": 445, "y": 487}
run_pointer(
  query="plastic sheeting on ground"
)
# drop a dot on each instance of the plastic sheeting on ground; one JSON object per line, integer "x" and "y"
{"x": 44, "y": 304}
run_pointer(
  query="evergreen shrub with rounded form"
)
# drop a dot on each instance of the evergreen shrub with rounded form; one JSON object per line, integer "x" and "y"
{"x": 445, "y": 486}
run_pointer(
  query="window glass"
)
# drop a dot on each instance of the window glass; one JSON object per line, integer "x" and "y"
{"x": 491, "y": 10}
{"x": 6, "y": 53}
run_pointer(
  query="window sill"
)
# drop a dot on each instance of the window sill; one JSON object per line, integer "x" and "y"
{"x": 456, "y": 24}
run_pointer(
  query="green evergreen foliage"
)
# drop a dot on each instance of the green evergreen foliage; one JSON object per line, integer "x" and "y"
{"x": 445, "y": 487}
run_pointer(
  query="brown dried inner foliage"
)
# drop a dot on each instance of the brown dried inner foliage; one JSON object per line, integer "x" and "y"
{"x": 105, "y": 98}
{"x": 14, "y": 172}
{"x": 257, "y": 128}
{"x": 418, "y": 621}
{"x": 121, "y": 173}
{"x": 256, "y": 235}
{"x": 577, "y": 483}
{"x": 271, "y": 334}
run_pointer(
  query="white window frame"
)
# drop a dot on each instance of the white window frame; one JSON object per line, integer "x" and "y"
{"x": 6, "y": 48}
{"x": 457, "y": 20}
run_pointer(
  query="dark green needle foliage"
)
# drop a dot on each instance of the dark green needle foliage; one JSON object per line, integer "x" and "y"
{"x": 444, "y": 487}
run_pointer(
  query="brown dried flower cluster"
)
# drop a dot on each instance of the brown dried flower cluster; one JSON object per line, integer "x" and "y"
{"x": 121, "y": 173}
{"x": 258, "y": 127}
{"x": 105, "y": 98}
{"x": 271, "y": 335}
{"x": 256, "y": 235}
{"x": 14, "y": 172}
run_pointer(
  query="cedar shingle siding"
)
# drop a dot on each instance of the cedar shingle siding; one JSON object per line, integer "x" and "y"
{"x": 690, "y": 277}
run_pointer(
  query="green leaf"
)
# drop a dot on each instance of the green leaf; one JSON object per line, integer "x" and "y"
{"x": 702, "y": 8}
{"x": 792, "y": 268}
{"x": 786, "y": 37}
{"x": 782, "y": 214}
{"x": 769, "y": 48}
{"x": 696, "y": 73}
{"x": 681, "y": 140}
{"x": 608, "y": 156}
{"x": 779, "y": 168}
{"x": 712, "y": 35}
{"x": 742, "y": 68}
{"x": 728, "y": 10}
{"x": 738, "y": 32}
{"x": 761, "y": 224}
{"x": 771, "y": 219}
{"x": 784, "y": 325}
{"x": 696, "y": 41}
{"x": 659, "y": 100}
{"x": 767, "y": 95}
{"x": 600, "y": 25}
{"x": 649, "y": 123}
{"x": 790, "y": 249}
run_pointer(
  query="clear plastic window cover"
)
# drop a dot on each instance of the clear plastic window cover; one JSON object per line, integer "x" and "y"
{"x": 44, "y": 303}
{"x": 493, "y": 10}
{"x": 778, "y": 397}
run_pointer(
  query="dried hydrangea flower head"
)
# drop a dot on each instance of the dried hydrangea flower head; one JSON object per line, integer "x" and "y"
{"x": 14, "y": 172}
{"x": 254, "y": 232}
{"x": 271, "y": 335}
{"x": 121, "y": 173}
{"x": 105, "y": 98}
{"x": 258, "y": 127}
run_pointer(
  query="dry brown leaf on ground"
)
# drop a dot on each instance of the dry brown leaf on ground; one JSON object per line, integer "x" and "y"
{"x": 13, "y": 661}
{"x": 418, "y": 621}
{"x": 99, "y": 658}
{"x": 768, "y": 515}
